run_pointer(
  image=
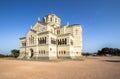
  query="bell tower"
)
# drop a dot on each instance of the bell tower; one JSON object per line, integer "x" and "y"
{"x": 52, "y": 19}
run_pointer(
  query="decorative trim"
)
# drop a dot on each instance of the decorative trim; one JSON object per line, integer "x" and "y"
{"x": 65, "y": 34}
{"x": 33, "y": 30}
{"x": 43, "y": 33}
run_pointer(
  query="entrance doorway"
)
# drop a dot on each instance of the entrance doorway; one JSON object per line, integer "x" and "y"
{"x": 32, "y": 53}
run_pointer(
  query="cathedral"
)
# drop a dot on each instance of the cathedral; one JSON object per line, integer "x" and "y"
{"x": 48, "y": 39}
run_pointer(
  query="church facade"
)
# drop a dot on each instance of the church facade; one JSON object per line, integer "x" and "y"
{"x": 48, "y": 39}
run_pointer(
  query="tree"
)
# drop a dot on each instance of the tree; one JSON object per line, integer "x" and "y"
{"x": 15, "y": 53}
{"x": 2, "y": 55}
{"x": 86, "y": 54}
{"x": 109, "y": 51}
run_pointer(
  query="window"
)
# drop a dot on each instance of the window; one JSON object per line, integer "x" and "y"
{"x": 50, "y": 49}
{"x": 45, "y": 40}
{"x": 76, "y": 52}
{"x": 42, "y": 40}
{"x": 56, "y": 20}
{"x": 44, "y": 51}
{"x": 64, "y": 52}
{"x": 71, "y": 42}
{"x": 31, "y": 39}
{"x": 41, "y": 52}
{"x": 51, "y": 19}
{"x": 65, "y": 41}
{"x": 53, "y": 40}
{"x": 62, "y": 41}
{"x": 61, "y": 52}
{"x": 23, "y": 44}
{"x": 58, "y": 31}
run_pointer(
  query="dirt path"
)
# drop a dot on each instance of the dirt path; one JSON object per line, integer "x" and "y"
{"x": 92, "y": 68}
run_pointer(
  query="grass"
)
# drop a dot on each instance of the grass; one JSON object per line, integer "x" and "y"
{"x": 47, "y": 60}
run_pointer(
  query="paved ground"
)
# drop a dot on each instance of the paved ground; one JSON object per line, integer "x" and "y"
{"x": 91, "y": 68}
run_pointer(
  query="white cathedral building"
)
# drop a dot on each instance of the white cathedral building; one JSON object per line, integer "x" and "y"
{"x": 48, "y": 39}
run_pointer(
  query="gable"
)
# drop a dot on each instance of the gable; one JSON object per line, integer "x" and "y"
{"x": 37, "y": 26}
{"x": 30, "y": 32}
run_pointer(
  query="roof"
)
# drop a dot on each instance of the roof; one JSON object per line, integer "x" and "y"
{"x": 74, "y": 25}
{"x": 23, "y": 38}
{"x": 52, "y": 14}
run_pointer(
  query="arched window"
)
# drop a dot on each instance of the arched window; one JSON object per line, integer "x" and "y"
{"x": 62, "y": 41}
{"x": 54, "y": 41}
{"x": 65, "y": 42}
{"x": 64, "y": 52}
{"x": 40, "y": 41}
{"x": 58, "y": 41}
{"x": 76, "y": 52}
{"x": 58, "y": 31}
{"x": 23, "y": 44}
{"x": 51, "y": 19}
{"x": 51, "y": 40}
{"x": 33, "y": 40}
{"x": 71, "y": 42}
{"x": 55, "y": 20}
{"x": 41, "y": 52}
{"x": 45, "y": 40}
{"x": 44, "y": 51}
{"x": 59, "y": 52}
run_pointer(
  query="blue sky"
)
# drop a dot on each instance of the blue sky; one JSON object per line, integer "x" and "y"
{"x": 100, "y": 20}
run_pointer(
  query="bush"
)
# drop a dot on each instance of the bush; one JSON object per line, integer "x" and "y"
{"x": 15, "y": 53}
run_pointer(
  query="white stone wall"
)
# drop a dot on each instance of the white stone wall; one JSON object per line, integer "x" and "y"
{"x": 77, "y": 33}
{"x": 52, "y": 47}
{"x": 41, "y": 50}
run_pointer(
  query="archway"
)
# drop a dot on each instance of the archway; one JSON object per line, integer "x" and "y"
{"x": 32, "y": 53}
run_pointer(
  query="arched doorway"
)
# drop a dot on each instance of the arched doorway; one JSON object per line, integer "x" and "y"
{"x": 32, "y": 53}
